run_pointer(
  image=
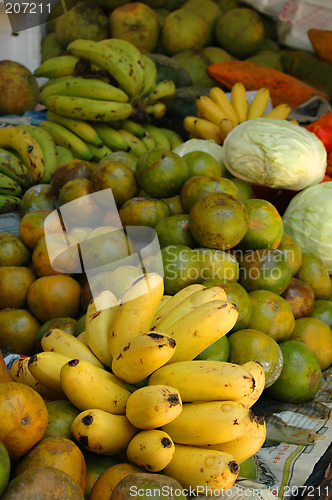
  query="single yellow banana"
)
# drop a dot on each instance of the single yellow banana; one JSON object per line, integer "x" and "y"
{"x": 206, "y": 380}
{"x": 259, "y": 103}
{"x": 142, "y": 355}
{"x": 84, "y": 108}
{"x": 99, "y": 318}
{"x": 211, "y": 422}
{"x": 174, "y": 301}
{"x": 210, "y": 110}
{"x": 190, "y": 304}
{"x": 57, "y": 340}
{"x": 163, "y": 302}
{"x": 76, "y": 86}
{"x": 48, "y": 147}
{"x": 280, "y": 112}
{"x": 46, "y": 368}
{"x": 225, "y": 127}
{"x": 57, "y": 67}
{"x": 20, "y": 373}
{"x": 201, "y": 470}
{"x": 198, "y": 329}
{"x": 134, "y": 145}
{"x": 202, "y": 129}
{"x": 65, "y": 138}
{"x": 27, "y": 147}
{"x": 102, "y": 432}
{"x": 86, "y": 386}
{"x": 247, "y": 444}
{"x": 81, "y": 128}
{"x": 137, "y": 307}
{"x": 153, "y": 406}
{"x": 83, "y": 338}
{"x": 220, "y": 98}
{"x": 256, "y": 370}
{"x": 239, "y": 101}
{"x": 151, "y": 450}
{"x": 163, "y": 91}
{"x": 150, "y": 74}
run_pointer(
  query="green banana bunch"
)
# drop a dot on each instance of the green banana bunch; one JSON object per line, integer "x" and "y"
{"x": 9, "y": 203}
{"x": 65, "y": 138}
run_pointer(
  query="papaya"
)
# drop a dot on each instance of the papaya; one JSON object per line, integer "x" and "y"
{"x": 322, "y": 43}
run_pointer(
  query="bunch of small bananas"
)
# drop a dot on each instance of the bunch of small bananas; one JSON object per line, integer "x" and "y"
{"x": 217, "y": 115}
{"x": 104, "y": 81}
{"x": 28, "y": 155}
{"x": 159, "y": 406}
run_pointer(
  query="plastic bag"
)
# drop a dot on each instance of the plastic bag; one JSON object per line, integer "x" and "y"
{"x": 298, "y": 16}
{"x": 271, "y": 8}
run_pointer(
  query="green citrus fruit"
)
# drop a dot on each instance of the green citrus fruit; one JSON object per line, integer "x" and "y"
{"x": 4, "y": 468}
{"x": 180, "y": 268}
{"x": 218, "y": 220}
{"x": 217, "y": 265}
{"x": 271, "y": 314}
{"x": 240, "y": 297}
{"x": 254, "y": 345}
{"x": 143, "y": 211}
{"x": 317, "y": 335}
{"x": 264, "y": 269}
{"x": 218, "y": 351}
{"x": 200, "y": 185}
{"x": 265, "y": 226}
{"x": 292, "y": 251}
{"x": 313, "y": 270}
{"x": 300, "y": 296}
{"x": 244, "y": 189}
{"x": 202, "y": 163}
{"x": 161, "y": 173}
{"x": 300, "y": 377}
{"x": 323, "y": 310}
{"x": 174, "y": 230}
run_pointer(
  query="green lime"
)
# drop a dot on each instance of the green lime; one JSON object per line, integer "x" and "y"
{"x": 254, "y": 345}
{"x": 301, "y": 375}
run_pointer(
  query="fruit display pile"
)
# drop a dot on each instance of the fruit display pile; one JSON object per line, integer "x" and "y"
{"x": 173, "y": 260}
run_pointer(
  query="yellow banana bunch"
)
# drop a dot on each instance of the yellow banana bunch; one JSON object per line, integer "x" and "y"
{"x": 246, "y": 445}
{"x": 217, "y": 114}
{"x": 153, "y": 406}
{"x": 142, "y": 355}
{"x": 206, "y": 380}
{"x": 86, "y": 386}
{"x": 202, "y": 470}
{"x": 151, "y": 450}
{"x": 210, "y": 422}
{"x": 57, "y": 340}
{"x": 102, "y": 432}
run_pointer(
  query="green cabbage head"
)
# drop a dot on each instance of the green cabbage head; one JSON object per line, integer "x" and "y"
{"x": 308, "y": 219}
{"x": 275, "y": 153}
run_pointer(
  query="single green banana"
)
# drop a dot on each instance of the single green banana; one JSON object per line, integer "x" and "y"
{"x": 9, "y": 187}
{"x": 83, "y": 108}
{"x": 150, "y": 75}
{"x": 174, "y": 138}
{"x": 110, "y": 60}
{"x": 15, "y": 169}
{"x": 77, "y": 86}
{"x": 111, "y": 137}
{"x": 157, "y": 109}
{"x": 132, "y": 127}
{"x": 148, "y": 141}
{"x": 9, "y": 203}
{"x": 134, "y": 56}
{"x": 135, "y": 145}
{"x": 48, "y": 147}
{"x": 100, "y": 153}
{"x": 163, "y": 91}
{"x": 158, "y": 136}
{"x": 57, "y": 66}
{"x": 81, "y": 128}
{"x": 65, "y": 138}
{"x": 64, "y": 154}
